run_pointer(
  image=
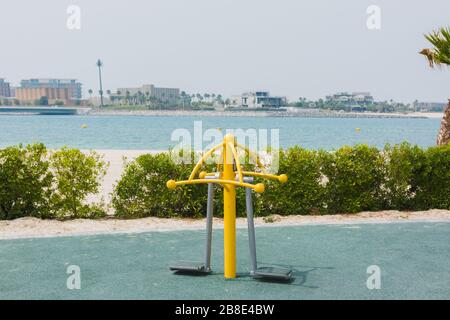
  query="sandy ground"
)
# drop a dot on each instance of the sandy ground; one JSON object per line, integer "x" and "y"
{"x": 33, "y": 227}
{"x": 116, "y": 160}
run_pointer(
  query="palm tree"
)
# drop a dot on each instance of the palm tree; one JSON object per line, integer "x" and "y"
{"x": 439, "y": 56}
{"x": 147, "y": 96}
{"x": 99, "y": 65}
{"x": 183, "y": 96}
{"x": 90, "y": 96}
{"x": 140, "y": 97}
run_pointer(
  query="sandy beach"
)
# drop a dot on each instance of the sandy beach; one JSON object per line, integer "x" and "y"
{"x": 117, "y": 160}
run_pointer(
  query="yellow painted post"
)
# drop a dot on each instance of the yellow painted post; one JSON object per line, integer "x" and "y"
{"x": 229, "y": 210}
{"x": 227, "y": 179}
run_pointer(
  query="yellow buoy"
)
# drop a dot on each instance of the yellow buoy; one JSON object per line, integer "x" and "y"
{"x": 358, "y": 129}
{"x": 84, "y": 126}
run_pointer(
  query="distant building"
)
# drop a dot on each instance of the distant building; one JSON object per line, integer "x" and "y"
{"x": 5, "y": 89}
{"x": 355, "y": 98}
{"x": 430, "y": 106}
{"x": 165, "y": 95}
{"x": 13, "y": 91}
{"x": 258, "y": 99}
{"x": 72, "y": 85}
{"x": 54, "y": 95}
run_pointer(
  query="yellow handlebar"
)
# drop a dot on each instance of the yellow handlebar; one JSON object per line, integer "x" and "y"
{"x": 232, "y": 148}
{"x": 259, "y": 187}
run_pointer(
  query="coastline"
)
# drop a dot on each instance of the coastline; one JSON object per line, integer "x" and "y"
{"x": 290, "y": 113}
{"x": 279, "y": 114}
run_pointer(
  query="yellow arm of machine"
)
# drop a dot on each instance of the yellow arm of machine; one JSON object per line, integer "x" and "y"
{"x": 259, "y": 187}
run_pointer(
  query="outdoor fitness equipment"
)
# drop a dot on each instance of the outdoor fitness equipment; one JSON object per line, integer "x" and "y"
{"x": 231, "y": 177}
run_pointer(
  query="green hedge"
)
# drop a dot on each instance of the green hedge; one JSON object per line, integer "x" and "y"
{"x": 348, "y": 180}
{"x": 142, "y": 190}
{"x": 355, "y": 178}
{"x": 38, "y": 183}
{"x": 303, "y": 193}
{"x": 25, "y": 182}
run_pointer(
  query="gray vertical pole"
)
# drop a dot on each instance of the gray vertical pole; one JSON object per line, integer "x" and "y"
{"x": 251, "y": 229}
{"x": 209, "y": 222}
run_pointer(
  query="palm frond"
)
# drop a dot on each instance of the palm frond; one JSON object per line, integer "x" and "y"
{"x": 439, "y": 55}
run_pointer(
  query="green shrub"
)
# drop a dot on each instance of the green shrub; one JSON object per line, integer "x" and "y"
{"x": 303, "y": 193}
{"x": 348, "y": 180}
{"x": 355, "y": 179}
{"x": 417, "y": 179}
{"x": 77, "y": 176}
{"x": 403, "y": 164}
{"x": 142, "y": 190}
{"x": 432, "y": 179}
{"x": 25, "y": 182}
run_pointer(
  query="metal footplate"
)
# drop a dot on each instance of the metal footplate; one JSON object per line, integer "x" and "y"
{"x": 190, "y": 267}
{"x": 202, "y": 268}
{"x": 273, "y": 273}
{"x": 263, "y": 273}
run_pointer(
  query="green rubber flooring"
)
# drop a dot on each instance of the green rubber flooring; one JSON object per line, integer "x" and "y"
{"x": 329, "y": 262}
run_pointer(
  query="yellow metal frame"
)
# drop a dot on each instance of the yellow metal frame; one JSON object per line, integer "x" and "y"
{"x": 227, "y": 179}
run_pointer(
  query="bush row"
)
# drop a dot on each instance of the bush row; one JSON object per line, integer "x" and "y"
{"x": 45, "y": 184}
{"x": 38, "y": 183}
{"x": 347, "y": 180}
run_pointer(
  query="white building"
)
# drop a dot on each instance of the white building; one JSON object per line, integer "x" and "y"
{"x": 355, "y": 98}
{"x": 258, "y": 99}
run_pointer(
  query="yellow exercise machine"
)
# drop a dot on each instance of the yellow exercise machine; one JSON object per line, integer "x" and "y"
{"x": 229, "y": 178}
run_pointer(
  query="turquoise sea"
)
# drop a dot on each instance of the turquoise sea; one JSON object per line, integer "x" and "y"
{"x": 154, "y": 132}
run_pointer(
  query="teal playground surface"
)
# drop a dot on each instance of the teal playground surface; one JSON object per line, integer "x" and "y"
{"x": 329, "y": 262}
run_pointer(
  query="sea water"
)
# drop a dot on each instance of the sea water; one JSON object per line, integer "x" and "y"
{"x": 154, "y": 132}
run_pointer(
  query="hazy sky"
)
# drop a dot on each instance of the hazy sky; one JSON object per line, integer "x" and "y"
{"x": 289, "y": 47}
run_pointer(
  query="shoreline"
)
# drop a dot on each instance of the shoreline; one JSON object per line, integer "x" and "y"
{"x": 117, "y": 160}
{"x": 29, "y": 227}
{"x": 277, "y": 114}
